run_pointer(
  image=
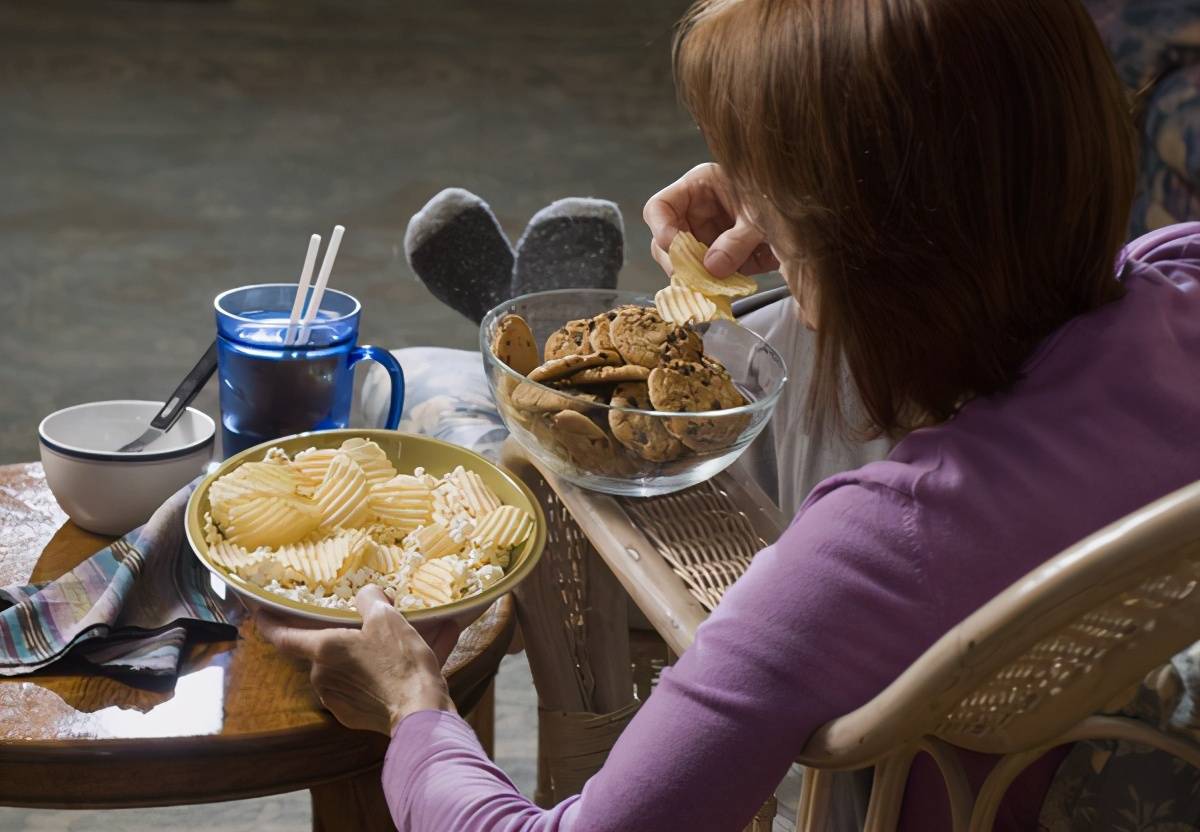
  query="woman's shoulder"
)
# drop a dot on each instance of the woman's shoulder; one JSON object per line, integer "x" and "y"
{"x": 1173, "y": 244}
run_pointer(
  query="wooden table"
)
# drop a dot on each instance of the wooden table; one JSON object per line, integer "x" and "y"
{"x": 241, "y": 721}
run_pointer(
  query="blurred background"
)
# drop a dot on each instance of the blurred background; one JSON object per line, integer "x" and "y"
{"x": 158, "y": 152}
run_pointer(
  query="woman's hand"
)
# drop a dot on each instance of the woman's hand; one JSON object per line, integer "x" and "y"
{"x": 374, "y": 677}
{"x": 699, "y": 202}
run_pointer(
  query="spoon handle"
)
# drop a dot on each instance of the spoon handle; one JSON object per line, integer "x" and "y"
{"x": 192, "y": 383}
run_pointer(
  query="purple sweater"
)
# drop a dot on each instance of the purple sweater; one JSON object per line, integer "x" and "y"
{"x": 877, "y": 564}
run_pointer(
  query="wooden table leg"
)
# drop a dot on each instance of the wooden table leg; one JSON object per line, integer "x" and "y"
{"x": 483, "y": 720}
{"x": 355, "y": 804}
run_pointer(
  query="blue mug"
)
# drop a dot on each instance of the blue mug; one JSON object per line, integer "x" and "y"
{"x": 270, "y": 388}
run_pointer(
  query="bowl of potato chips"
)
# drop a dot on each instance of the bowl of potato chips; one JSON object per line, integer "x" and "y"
{"x": 300, "y": 524}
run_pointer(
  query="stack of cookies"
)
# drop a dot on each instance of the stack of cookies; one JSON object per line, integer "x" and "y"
{"x": 629, "y": 358}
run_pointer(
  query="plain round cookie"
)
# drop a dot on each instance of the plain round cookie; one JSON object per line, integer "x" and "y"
{"x": 639, "y": 333}
{"x": 690, "y": 387}
{"x": 646, "y": 436}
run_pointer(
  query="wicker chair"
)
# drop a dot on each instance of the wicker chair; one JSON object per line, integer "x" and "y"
{"x": 1031, "y": 669}
{"x": 1027, "y": 672}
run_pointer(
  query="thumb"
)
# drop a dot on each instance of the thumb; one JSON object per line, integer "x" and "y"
{"x": 733, "y": 248}
{"x": 371, "y": 601}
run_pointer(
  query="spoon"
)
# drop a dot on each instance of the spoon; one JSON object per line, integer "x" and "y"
{"x": 177, "y": 402}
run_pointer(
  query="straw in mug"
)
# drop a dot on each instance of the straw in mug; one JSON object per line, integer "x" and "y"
{"x": 310, "y": 260}
{"x": 314, "y": 305}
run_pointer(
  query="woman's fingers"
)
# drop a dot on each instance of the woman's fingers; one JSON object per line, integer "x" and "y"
{"x": 662, "y": 258}
{"x": 734, "y": 249}
{"x": 298, "y": 642}
{"x": 371, "y": 602}
{"x": 692, "y": 202}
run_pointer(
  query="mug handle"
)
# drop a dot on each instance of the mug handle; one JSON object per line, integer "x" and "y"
{"x": 395, "y": 373}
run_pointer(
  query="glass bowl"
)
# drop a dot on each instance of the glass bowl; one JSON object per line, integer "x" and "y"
{"x": 601, "y": 457}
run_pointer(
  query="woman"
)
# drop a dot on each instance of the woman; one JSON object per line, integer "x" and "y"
{"x": 945, "y": 186}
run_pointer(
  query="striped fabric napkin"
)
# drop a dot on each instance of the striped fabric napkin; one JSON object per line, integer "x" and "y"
{"x": 129, "y": 608}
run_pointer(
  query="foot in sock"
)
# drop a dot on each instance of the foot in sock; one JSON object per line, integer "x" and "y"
{"x": 573, "y": 243}
{"x": 458, "y": 250}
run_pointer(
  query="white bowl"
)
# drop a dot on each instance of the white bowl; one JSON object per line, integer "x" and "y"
{"x": 108, "y": 492}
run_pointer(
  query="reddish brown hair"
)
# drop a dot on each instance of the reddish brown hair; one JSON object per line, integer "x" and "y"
{"x": 952, "y": 177}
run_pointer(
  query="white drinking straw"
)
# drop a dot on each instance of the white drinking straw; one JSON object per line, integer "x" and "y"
{"x": 314, "y": 305}
{"x": 310, "y": 259}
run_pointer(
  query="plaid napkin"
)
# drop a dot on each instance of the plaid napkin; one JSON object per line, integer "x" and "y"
{"x": 129, "y": 608}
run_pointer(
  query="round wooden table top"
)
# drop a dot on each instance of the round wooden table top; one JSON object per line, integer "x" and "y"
{"x": 240, "y": 720}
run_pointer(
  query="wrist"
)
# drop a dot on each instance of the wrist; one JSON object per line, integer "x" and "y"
{"x": 433, "y": 699}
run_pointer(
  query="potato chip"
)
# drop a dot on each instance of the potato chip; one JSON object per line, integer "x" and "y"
{"x": 687, "y": 259}
{"x": 312, "y": 465}
{"x": 439, "y": 581}
{"x": 228, "y": 555}
{"x": 504, "y": 528}
{"x": 324, "y": 562}
{"x": 724, "y": 309}
{"x": 270, "y": 521}
{"x": 434, "y": 541}
{"x": 251, "y": 479}
{"x": 404, "y": 501}
{"x": 385, "y": 559}
{"x": 343, "y": 496}
{"x": 479, "y": 499}
{"x": 371, "y": 458}
{"x": 681, "y": 305}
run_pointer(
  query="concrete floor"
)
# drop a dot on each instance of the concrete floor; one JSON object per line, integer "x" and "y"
{"x": 158, "y": 152}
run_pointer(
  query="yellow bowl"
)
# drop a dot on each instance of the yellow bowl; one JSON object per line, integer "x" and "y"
{"x": 406, "y": 451}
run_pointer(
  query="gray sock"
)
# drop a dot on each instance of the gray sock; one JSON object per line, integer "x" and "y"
{"x": 574, "y": 243}
{"x": 458, "y": 250}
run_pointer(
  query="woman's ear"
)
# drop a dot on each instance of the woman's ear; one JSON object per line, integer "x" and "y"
{"x": 458, "y": 250}
{"x": 574, "y": 243}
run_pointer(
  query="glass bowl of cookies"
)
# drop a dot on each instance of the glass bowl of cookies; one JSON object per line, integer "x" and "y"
{"x": 603, "y": 391}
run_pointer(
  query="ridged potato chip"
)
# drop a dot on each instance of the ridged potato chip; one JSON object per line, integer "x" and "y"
{"x": 504, "y": 528}
{"x": 434, "y": 541}
{"x": 438, "y": 582}
{"x": 343, "y": 497}
{"x": 385, "y": 559}
{"x": 251, "y": 479}
{"x": 323, "y": 562}
{"x": 404, "y": 501}
{"x": 681, "y": 305}
{"x": 270, "y": 521}
{"x": 312, "y": 465}
{"x": 687, "y": 259}
{"x": 371, "y": 458}
{"x": 480, "y": 499}
{"x": 229, "y": 555}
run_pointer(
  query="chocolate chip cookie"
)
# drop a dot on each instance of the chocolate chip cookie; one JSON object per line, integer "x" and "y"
{"x": 646, "y": 436}
{"x": 558, "y": 368}
{"x": 513, "y": 343}
{"x": 639, "y": 333}
{"x": 587, "y": 446}
{"x": 692, "y": 387}
{"x": 609, "y": 375}
{"x": 682, "y": 345}
{"x": 570, "y": 339}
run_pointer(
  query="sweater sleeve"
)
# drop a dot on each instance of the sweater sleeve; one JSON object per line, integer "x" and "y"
{"x": 821, "y": 622}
